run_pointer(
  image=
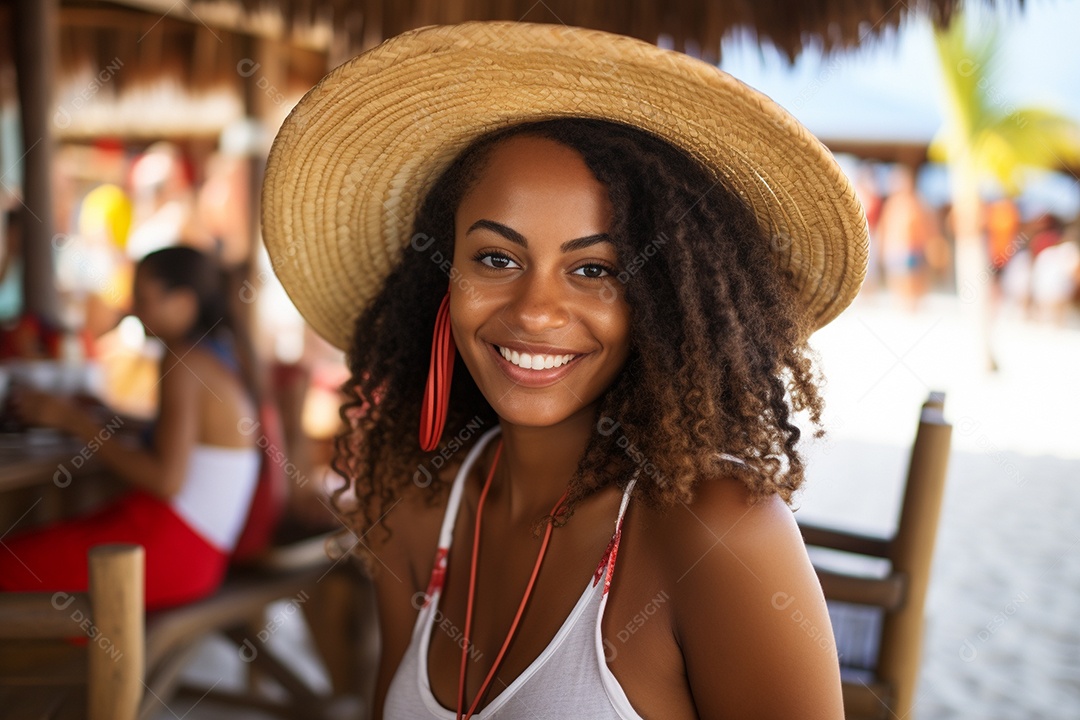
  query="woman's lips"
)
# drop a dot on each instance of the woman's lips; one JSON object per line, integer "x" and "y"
{"x": 531, "y": 378}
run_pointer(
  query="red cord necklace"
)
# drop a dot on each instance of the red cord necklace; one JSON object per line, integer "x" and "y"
{"x": 472, "y": 592}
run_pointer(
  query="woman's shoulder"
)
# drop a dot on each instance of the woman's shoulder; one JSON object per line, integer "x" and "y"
{"x": 193, "y": 364}
{"x": 405, "y": 534}
{"x": 724, "y": 546}
{"x": 723, "y": 507}
{"x": 746, "y": 602}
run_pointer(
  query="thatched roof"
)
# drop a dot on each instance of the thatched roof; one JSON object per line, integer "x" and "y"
{"x": 161, "y": 67}
{"x": 694, "y": 26}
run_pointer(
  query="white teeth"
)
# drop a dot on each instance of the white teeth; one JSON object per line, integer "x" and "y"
{"x": 537, "y": 362}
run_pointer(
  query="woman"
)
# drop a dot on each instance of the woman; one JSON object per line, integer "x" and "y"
{"x": 192, "y": 485}
{"x": 630, "y": 297}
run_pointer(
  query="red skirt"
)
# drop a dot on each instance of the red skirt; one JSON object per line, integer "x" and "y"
{"x": 181, "y": 566}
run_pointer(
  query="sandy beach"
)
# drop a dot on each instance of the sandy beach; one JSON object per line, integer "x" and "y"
{"x": 1002, "y": 640}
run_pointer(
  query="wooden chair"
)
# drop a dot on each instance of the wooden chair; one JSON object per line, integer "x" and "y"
{"x": 132, "y": 663}
{"x": 99, "y": 680}
{"x": 878, "y": 620}
{"x": 237, "y": 613}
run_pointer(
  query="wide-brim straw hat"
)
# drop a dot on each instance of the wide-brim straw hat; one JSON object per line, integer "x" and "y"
{"x": 356, "y": 156}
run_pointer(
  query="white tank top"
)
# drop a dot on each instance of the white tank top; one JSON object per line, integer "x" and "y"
{"x": 216, "y": 496}
{"x": 569, "y": 679}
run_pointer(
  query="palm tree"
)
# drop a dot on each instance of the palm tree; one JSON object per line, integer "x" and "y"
{"x": 985, "y": 135}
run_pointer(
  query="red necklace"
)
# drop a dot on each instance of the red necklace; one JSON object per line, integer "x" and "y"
{"x": 472, "y": 592}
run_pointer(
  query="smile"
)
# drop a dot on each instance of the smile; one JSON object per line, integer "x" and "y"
{"x": 537, "y": 362}
{"x": 542, "y": 369}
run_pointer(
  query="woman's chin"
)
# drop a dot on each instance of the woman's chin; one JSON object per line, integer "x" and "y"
{"x": 528, "y": 412}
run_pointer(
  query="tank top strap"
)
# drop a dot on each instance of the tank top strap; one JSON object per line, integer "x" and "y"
{"x": 606, "y": 568}
{"x": 446, "y": 533}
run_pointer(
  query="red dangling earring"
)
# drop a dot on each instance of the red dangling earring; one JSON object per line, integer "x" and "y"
{"x": 437, "y": 390}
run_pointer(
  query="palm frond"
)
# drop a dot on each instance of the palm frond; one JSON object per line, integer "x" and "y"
{"x": 983, "y": 130}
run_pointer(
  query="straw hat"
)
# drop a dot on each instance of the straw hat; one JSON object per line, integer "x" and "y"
{"x": 356, "y": 156}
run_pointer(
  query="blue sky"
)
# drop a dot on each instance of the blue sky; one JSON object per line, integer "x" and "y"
{"x": 891, "y": 88}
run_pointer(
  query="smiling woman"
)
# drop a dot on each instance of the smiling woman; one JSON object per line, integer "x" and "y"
{"x": 630, "y": 297}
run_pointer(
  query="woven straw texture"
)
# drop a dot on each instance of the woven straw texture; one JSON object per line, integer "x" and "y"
{"x": 354, "y": 159}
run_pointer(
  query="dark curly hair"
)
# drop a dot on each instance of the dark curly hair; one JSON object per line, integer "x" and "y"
{"x": 718, "y": 359}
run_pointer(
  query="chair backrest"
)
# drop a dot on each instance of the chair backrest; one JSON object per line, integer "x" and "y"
{"x": 911, "y": 552}
{"x": 878, "y": 618}
{"x": 108, "y": 619}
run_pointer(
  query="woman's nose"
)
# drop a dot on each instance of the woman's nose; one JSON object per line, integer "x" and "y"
{"x": 540, "y": 303}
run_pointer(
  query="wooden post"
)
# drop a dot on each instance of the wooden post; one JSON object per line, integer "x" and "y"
{"x": 36, "y": 49}
{"x": 117, "y": 642}
{"x": 901, "y": 640}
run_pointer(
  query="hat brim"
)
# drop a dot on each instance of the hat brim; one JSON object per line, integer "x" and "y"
{"x": 356, "y": 156}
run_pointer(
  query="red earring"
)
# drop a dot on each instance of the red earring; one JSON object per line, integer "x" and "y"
{"x": 437, "y": 390}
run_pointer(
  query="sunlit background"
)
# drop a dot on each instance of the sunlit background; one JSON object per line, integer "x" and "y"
{"x": 1000, "y": 638}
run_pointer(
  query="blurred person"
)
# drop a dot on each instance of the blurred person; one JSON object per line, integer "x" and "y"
{"x": 1002, "y": 230}
{"x": 1016, "y": 281}
{"x": 1016, "y": 276}
{"x": 193, "y": 481}
{"x": 906, "y": 231}
{"x": 1045, "y": 233}
{"x": 1055, "y": 274}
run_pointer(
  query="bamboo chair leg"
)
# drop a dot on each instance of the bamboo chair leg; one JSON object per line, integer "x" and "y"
{"x": 116, "y": 647}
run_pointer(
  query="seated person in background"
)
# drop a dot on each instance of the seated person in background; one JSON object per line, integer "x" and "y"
{"x": 192, "y": 486}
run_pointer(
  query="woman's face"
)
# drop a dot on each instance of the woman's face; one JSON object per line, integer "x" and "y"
{"x": 166, "y": 314}
{"x": 534, "y": 279}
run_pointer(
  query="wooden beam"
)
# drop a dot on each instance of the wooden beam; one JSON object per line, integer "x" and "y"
{"x": 907, "y": 152}
{"x": 36, "y": 51}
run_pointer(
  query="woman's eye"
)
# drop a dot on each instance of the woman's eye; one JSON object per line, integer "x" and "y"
{"x": 499, "y": 261}
{"x": 494, "y": 260}
{"x": 595, "y": 270}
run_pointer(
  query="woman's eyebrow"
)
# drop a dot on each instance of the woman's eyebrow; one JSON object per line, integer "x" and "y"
{"x": 518, "y": 239}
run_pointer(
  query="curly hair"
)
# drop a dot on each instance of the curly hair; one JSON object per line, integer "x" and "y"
{"x": 718, "y": 361}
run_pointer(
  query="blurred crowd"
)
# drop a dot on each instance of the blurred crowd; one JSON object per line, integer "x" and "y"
{"x": 1033, "y": 261}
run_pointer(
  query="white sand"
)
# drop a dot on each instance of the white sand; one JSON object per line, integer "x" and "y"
{"x": 1002, "y": 637}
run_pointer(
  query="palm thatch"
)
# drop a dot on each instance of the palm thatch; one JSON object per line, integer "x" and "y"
{"x": 692, "y": 26}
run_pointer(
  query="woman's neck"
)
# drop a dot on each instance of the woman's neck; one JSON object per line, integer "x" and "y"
{"x": 535, "y": 466}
